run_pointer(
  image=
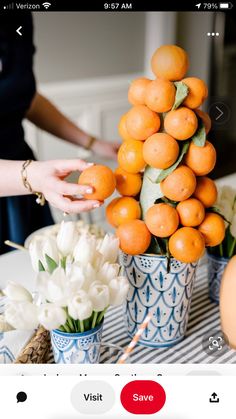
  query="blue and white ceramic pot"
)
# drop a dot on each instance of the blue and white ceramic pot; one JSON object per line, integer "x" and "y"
{"x": 166, "y": 296}
{"x": 216, "y": 267}
{"x": 85, "y": 345}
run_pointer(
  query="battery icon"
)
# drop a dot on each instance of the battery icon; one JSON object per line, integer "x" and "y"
{"x": 226, "y": 6}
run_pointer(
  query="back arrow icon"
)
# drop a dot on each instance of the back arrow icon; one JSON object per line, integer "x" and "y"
{"x": 19, "y": 30}
{"x": 220, "y": 113}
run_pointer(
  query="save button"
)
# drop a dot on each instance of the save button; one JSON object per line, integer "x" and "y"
{"x": 143, "y": 397}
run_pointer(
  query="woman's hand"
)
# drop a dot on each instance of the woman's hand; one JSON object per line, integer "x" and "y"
{"x": 105, "y": 149}
{"x": 47, "y": 178}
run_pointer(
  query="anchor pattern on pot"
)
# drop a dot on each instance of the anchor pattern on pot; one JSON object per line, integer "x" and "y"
{"x": 167, "y": 296}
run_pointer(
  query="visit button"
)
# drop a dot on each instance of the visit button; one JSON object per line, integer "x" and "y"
{"x": 143, "y": 397}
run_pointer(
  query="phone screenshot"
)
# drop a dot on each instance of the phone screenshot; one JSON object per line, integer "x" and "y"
{"x": 117, "y": 209}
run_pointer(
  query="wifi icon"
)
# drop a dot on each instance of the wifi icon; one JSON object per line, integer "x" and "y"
{"x": 46, "y": 5}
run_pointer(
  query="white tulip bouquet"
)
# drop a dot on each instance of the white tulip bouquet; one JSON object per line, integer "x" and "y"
{"x": 77, "y": 280}
{"x": 226, "y": 206}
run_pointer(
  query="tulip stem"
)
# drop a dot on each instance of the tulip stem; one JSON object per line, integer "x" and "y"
{"x": 221, "y": 250}
{"x": 101, "y": 315}
{"x": 63, "y": 262}
{"x": 70, "y": 324}
{"x": 66, "y": 327}
{"x": 95, "y": 316}
{"x": 231, "y": 252}
{"x": 81, "y": 326}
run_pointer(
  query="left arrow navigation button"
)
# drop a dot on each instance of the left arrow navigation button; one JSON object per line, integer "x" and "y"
{"x": 19, "y": 30}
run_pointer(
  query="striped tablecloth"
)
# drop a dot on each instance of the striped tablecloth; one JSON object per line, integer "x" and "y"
{"x": 204, "y": 318}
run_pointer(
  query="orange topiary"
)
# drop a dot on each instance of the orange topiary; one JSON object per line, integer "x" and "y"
{"x": 134, "y": 236}
{"x": 160, "y": 95}
{"x": 127, "y": 184}
{"x": 170, "y": 62}
{"x": 102, "y": 180}
{"x": 162, "y": 220}
{"x": 141, "y": 122}
{"x": 213, "y": 229}
{"x": 130, "y": 156}
{"x": 187, "y": 245}
{"x": 198, "y": 92}
{"x": 180, "y": 184}
{"x": 201, "y": 160}
{"x": 137, "y": 91}
{"x": 122, "y": 210}
{"x": 181, "y": 123}
{"x": 205, "y": 119}
{"x": 206, "y": 191}
{"x": 191, "y": 212}
{"x": 123, "y": 129}
{"x": 160, "y": 150}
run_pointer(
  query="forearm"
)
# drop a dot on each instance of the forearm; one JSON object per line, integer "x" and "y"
{"x": 47, "y": 117}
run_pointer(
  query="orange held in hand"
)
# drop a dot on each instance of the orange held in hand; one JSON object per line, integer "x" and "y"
{"x": 181, "y": 123}
{"x": 160, "y": 150}
{"x": 198, "y": 92}
{"x": 142, "y": 122}
{"x": 130, "y": 156}
{"x": 212, "y": 229}
{"x": 122, "y": 210}
{"x": 191, "y": 212}
{"x": 206, "y": 191}
{"x": 160, "y": 95}
{"x": 127, "y": 184}
{"x": 137, "y": 91}
{"x": 201, "y": 160}
{"x": 102, "y": 180}
{"x": 123, "y": 129}
{"x": 162, "y": 220}
{"x": 180, "y": 184}
{"x": 170, "y": 62}
{"x": 187, "y": 245}
{"x": 134, "y": 236}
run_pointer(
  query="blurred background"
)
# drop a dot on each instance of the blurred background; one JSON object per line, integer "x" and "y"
{"x": 85, "y": 61}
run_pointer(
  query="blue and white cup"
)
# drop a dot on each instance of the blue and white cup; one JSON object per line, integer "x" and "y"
{"x": 164, "y": 295}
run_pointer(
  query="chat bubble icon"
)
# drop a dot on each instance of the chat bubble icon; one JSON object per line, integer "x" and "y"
{"x": 21, "y": 397}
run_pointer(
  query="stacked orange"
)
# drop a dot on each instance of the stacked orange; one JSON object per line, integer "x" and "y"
{"x": 154, "y": 132}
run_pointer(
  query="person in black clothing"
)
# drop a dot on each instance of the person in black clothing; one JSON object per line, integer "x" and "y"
{"x": 20, "y": 174}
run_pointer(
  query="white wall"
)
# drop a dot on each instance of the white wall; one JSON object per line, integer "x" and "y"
{"x": 73, "y": 46}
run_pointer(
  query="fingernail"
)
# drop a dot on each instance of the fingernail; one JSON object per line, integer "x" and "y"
{"x": 90, "y": 164}
{"x": 89, "y": 190}
{"x": 96, "y": 205}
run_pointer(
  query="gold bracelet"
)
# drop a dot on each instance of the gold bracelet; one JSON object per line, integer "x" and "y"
{"x": 40, "y": 197}
{"x": 90, "y": 143}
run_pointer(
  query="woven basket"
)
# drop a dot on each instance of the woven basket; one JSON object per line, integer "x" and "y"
{"x": 37, "y": 350}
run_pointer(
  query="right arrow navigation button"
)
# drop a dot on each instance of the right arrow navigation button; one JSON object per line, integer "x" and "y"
{"x": 219, "y": 113}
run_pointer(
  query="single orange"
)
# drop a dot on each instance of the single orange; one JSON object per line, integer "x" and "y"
{"x": 181, "y": 123}
{"x": 180, "y": 184}
{"x": 160, "y": 150}
{"x": 128, "y": 184}
{"x": 123, "y": 129}
{"x": 122, "y": 210}
{"x": 110, "y": 213}
{"x": 213, "y": 229}
{"x": 170, "y": 62}
{"x": 191, "y": 212}
{"x": 101, "y": 178}
{"x": 201, "y": 160}
{"x": 205, "y": 119}
{"x": 198, "y": 92}
{"x": 187, "y": 245}
{"x": 135, "y": 238}
{"x": 160, "y": 95}
{"x": 130, "y": 156}
{"x": 162, "y": 220}
{"x": 141, "y": 122}
{"x": 137, "y": 91}
{"x": 206, "y": 191}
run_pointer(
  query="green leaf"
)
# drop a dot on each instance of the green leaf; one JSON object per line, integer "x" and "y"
{"x": 181, "y": 93}
{"x": 164, "y": 173}
{"x": 199, "y": 137}
{"x": 41, "y": 267}
{"x": 52, "y": 265}
{"x": 150, "y": 191}
{"x": 217, "y": 211}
